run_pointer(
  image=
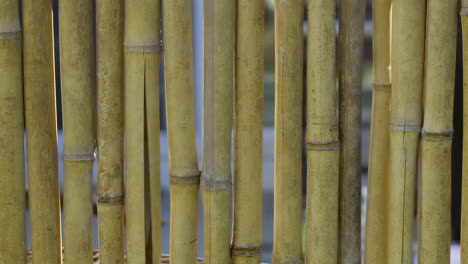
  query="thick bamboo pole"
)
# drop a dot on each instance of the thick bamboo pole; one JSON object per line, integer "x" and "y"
{"x": 77, "y": 77}
{"x": 246, "y": 244}
{"x": 109, "y": 63}
{"x": 12, "y": 185}
{"x": 289, "y": 52}
{"x": 436, "y": 141}
{"x": 219, "y": 45}
{"x": 183, "y": 165}
{"x": 407, "y": 60}
{"x": 41, "y": 131}
{"x": 322, "y": 141}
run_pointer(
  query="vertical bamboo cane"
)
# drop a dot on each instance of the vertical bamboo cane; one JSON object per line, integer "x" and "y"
{"x": 408, "y": 31}
{"x": 183, "y": 165}
{"x": 77, "y": 77}
{"x": 217, "y": 122}
{"x": 441, "y": 36}
{"x": 12, "y": 186}
{"x": 289, "y": 50}
{"x": 109, "y": 34}
{"x": 246, "y": 244}
{"x": 322, "y": 136}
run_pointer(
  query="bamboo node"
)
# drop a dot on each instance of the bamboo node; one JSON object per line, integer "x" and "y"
{"x": 111, "y": 200}
{"x": 150, "y": 48}
{"x": 215, "y": 185}
{"x": 10, "y": 34}
{"x": 246, "y": 252}
{"x": 323, "y": 146}
{"x": 189, "y": 179}
{"x": 405, "y": 127}
{"x": 90, "y": 156}
{"x": 437, "y": 136}
{"x": 385, "y": 86}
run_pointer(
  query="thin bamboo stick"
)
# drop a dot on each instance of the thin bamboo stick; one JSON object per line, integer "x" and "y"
{"x": 109, "y": 63}
{"x": 183, "y": 165}
{"x": 12, "y": 181}
{"x": 289, "y": 52}
{"x": 219, "y": 45}
{"x": 408, "y": 33}
{"x": 77, "y": 77}
{"x": 246, "y": 244}
{"x": 322, "y": 141}
{"x": 436, "y": 141}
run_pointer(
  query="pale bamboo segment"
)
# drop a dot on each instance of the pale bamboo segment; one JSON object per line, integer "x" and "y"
{"x": 12, "y": 180}
{"x": 109, "y": 63}
{"x": 183, "y": 165}
{"x": 216, "y": 179}
{"x": 289, "y": 52}
{"x": 77, "y": 77}
{"x": 322, "y": 141}
{"x": 407, "y": 60}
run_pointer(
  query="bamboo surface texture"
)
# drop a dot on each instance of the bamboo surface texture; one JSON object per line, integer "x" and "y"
{"x": 351, "y": 48}
{"x": 216, "y": 179}
{"x": 12, "y": 180}
{"x": 407, "y": 60}
{"x": 246, "y": 246}
{"x": 289, "y": 63}
{"x": 77, "y": 77}
{"x": 464, "y": 211}
{"x": 41, "y": 131}
{"x": 322, "y": 140}
{"x": 183, "y": 165}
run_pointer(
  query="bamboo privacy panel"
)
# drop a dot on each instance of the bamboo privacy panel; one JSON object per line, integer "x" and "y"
{"x": 110, "y": 57}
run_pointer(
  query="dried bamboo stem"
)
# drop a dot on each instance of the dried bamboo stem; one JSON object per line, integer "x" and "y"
{"x": 217, "y": 121}
{"x": 183, "y": 165}
{"x": 289, "y": 52}
{"x": 77, "y": 77}
{"x": 12, "y": 181}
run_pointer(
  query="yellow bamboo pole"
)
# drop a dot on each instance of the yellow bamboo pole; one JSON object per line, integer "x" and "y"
{"x": 109, "y": 63}
{"x": 41, "y": 131}
{"x": 183, "y": 165}
{"x": 436, "y": 141}
{"x": 289, "y": 52}
{"x": 77, "y": 78}
{"x": 246, "y": 246}
{"x": 12, "y": 181}
{"x": 216, "y": 180}
{"x": 407, "y": 60}
{"x": 322, "y": 141}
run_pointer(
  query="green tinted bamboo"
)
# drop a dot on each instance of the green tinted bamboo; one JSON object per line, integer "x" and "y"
{"x": 109, "y": 62}
{"x": 12, "y": 181}
{"x": 407, "y": 60}
{"x": 322, "y": 136}
{"x": 246, "y": 244}
{"x": 351, "y": 48}
{"x": 183, "y": 165}
{"x": 379, "y": 139}
{"x": 219, "y": 48}
{"x": 436, "y": 141}
{"x": 77, "y": 77}
{"x": 289, "y": 52}
{"x": 41, "y": 131}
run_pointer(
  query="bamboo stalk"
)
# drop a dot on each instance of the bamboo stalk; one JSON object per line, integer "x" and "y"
{"x": 322, "y": 136}
{"x": 216, "y": 178}
{"x": 77, "y": 77}
{"x": 109, "y": 35}
{"x": 183, "y": 164}
{"x": 376, "y": 224}
{"x": 436, "y": 141}
{"x": 408, "y": 33}
{"x": 289, "y": 52}
{"x": 12, "y": 181}
{"x": 246, "y": 244}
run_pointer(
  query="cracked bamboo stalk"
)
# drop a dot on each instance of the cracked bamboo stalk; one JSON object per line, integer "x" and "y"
{"x": 12, "y": 180}
{"x": 77, "y": 78}
{"x": 407, "y": 60}
{"x": 41, "y": 131}
{"x": 246, "y": 246}
{"x": 216, "y": 180}
{"x": 183, "y": 165}
{"x": 436, "y": 141}
{"x": 289, "y": 52}
{"x": 322, "y": 140}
